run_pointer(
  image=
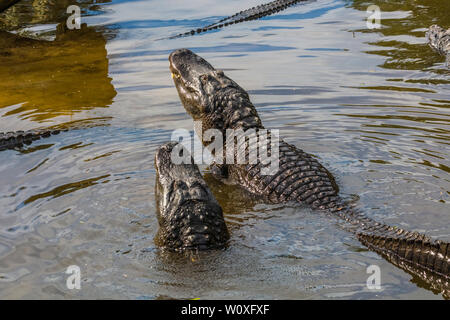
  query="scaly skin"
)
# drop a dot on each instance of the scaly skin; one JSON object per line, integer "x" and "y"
{"x": 439, "y": 39}
{"x": 12, "y": 140}
{"x": 254, "y": 13}
{"x": 219, "y": 103}
{"x": 189, "y": 216}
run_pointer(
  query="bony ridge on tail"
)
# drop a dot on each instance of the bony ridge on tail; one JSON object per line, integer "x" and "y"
{"x": 439, "y": 39}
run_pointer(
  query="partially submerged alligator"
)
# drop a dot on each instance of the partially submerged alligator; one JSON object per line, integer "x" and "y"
{"x": 209, "y": 96}
{"x": 439, "y": 39}
{"x": 17, "y": 139}
{"x": 188, "y": 214}
{"x": 254, "y": 13}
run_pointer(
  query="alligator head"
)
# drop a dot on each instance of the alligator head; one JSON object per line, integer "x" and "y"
{"x": 208, "y": 95}
{"x": 188, "y": 214}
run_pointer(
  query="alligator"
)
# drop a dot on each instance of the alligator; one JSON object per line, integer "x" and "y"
{"x": 217, "y": 102}
{"x": 253, "y": 13}
{"x": 189, "y": 216}
{"x": 439, "y": 39}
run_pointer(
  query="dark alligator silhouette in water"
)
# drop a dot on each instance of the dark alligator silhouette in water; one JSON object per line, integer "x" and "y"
{"x": 209, "y": 96}
{"x": 6, "y": 4}
{"x": 254, "y": 13}
{"x": 438, "y": 39}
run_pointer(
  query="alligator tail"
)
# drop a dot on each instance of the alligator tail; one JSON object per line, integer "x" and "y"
{"x": 439, "y": 39}
{"x": 12, "y": 140}
{"x": 415, "y": 253}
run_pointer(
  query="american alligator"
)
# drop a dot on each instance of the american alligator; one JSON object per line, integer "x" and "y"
{"x": 254, "y": 13}
{"x": 209, "y": 96}
{"x": 439, "y": 39}
{"x": 189, "y": 216}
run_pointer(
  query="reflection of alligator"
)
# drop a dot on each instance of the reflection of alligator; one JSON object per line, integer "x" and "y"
{"x": 189, "y": 216}
{"x": 218, "y": 102}
{"x": 254, "y": 13}
{"x": 439, "y": 39}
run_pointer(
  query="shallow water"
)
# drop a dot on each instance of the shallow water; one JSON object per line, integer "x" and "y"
{"x": 372, "y": 105}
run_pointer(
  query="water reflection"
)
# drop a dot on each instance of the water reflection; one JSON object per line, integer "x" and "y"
{"x": 46, "y": 79}
{"x": 407, "y": 18}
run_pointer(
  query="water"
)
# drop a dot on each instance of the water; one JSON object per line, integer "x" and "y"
{"x": 372, "y": 105}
